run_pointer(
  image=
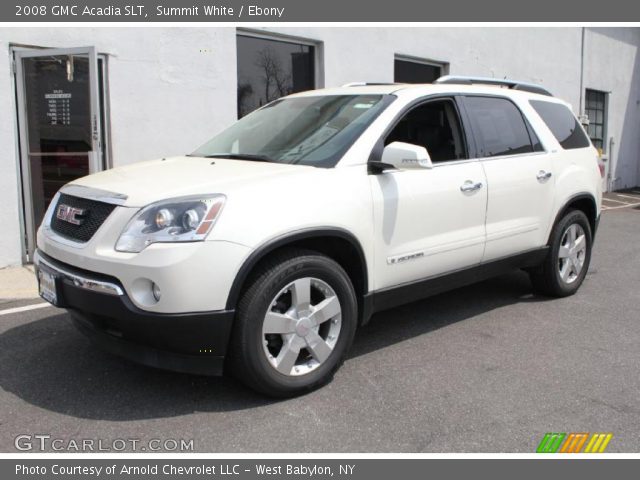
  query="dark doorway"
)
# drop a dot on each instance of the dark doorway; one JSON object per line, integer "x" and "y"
{"x": 60, "y": 113}
{"x": 406, "y": 71}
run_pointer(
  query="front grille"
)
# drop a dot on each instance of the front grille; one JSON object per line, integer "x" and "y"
{"x": 94, "y": 215}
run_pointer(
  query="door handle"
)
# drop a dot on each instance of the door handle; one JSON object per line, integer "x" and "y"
{"x": 470, "y": 186}
{"x": 542, "y": 175}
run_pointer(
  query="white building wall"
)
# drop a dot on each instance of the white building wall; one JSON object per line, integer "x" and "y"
{"x": 612, "y": 65}
{"x": 550, "y": 56}
{"x": 170, "y": 89}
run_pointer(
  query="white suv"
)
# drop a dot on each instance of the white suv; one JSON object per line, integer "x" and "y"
{"x": 266, "y": 248}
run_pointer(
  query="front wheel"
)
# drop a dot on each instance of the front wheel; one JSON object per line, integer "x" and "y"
{"x": 566, "y": 265}
{"x": 295, "y": 321}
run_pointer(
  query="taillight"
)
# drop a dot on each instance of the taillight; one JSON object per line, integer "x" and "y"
{"x": 601, "y": 168}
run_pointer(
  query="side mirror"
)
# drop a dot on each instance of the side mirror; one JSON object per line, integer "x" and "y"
{"x": 406, "y": 156}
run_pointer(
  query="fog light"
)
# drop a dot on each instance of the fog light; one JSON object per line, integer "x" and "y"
{"x": 155, "y": 289}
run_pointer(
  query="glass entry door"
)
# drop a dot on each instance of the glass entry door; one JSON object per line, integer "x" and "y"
{"x": 59, "y": 121}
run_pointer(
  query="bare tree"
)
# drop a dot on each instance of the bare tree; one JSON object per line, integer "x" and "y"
{"x": 277, "y": 82}
{"x": 245, "y": 90}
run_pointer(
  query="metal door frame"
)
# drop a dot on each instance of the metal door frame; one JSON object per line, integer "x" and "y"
{"x": 94, "y": 156}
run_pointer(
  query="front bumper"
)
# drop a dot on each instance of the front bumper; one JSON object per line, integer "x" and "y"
{"x": 193, "y": 276}
{"x": 100, "y": 308}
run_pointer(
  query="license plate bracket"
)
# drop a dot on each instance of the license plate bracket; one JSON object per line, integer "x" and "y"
{"x": 48, "y": 285}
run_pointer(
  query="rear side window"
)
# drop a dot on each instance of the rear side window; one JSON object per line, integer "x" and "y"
{"x": 562, "y": 124}
{"x": 498, "y": 126}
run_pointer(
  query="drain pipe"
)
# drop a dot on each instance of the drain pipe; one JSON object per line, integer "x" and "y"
{"x": 580, "y": 110}
{"x": 611, "y": 180}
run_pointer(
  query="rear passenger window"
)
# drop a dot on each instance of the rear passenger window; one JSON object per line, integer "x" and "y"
{"x": 562, "y": 124}
{"x": 498, "y": 126}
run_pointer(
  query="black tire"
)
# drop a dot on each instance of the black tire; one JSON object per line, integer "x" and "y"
{"x": 248, "y": 361}
{"x": 546, "y": 279}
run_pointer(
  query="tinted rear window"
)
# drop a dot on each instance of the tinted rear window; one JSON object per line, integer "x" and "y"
{"x": 562, "y": 124}
{"x": 498, "y": 126}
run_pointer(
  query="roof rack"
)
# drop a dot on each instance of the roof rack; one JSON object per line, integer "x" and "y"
{"x": 365, "y": 84}
{"x": 512, "y": 84}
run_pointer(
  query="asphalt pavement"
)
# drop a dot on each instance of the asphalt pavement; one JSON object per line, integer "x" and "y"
{"x": 486, "y": 368}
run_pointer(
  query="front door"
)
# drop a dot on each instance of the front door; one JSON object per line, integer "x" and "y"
{"x": 429, "y": 222}
{"x": 59, "y": 125}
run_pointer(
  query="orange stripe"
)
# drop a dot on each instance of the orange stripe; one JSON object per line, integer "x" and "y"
{"x": 576, "y": 439}
{"x": 567, "y": 442}
{"x": 583, "y": 439}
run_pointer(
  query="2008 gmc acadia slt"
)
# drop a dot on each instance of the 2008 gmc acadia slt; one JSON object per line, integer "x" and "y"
{"x": 263, "y": 250}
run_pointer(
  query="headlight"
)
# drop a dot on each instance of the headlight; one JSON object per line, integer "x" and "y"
{"x": 186, "y": 219}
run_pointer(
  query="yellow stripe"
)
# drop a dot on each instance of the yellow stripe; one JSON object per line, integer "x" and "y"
{"x": 590, "y": 444}
{"x": 583, "y": 438}
{"x": 606, "y": 442}
{"x": 598, "y": 442}
{"x": 567, "y": 442}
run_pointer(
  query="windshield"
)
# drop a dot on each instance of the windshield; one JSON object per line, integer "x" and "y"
{"x": 302, "y": 130}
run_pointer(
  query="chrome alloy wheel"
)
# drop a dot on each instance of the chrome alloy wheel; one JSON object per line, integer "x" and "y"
{"x": 572, "y": 253}
{"x": 302, "y": 326}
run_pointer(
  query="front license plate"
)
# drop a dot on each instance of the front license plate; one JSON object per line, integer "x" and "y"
{"x": 47, "y": 286}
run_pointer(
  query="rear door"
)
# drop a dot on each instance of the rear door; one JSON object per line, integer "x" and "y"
{"x": 519, "y": 175}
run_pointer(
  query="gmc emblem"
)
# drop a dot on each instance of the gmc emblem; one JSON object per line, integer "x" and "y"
{"x": 70, "y": 214}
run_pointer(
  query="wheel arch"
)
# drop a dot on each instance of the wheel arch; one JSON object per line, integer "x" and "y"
{"x": 337, "y": 243}
{"x": 586, "y": 203}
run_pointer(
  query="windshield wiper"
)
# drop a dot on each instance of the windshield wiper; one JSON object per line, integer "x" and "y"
{"x": 240, "y": 156}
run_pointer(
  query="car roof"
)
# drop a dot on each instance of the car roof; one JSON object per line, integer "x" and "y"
{"x": 418, "y": 90}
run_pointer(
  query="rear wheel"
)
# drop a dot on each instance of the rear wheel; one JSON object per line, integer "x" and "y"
{"x": 566, "y": 265}
{"x": 294, "y": 323}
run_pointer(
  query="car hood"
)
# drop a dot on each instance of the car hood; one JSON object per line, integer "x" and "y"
{"x": 147, "y": 182}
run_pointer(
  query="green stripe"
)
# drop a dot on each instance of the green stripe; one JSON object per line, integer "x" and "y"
{"x": 551, "y": 442}
{"x": 543, "y": 443}
{"x": 558, "y": 442}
